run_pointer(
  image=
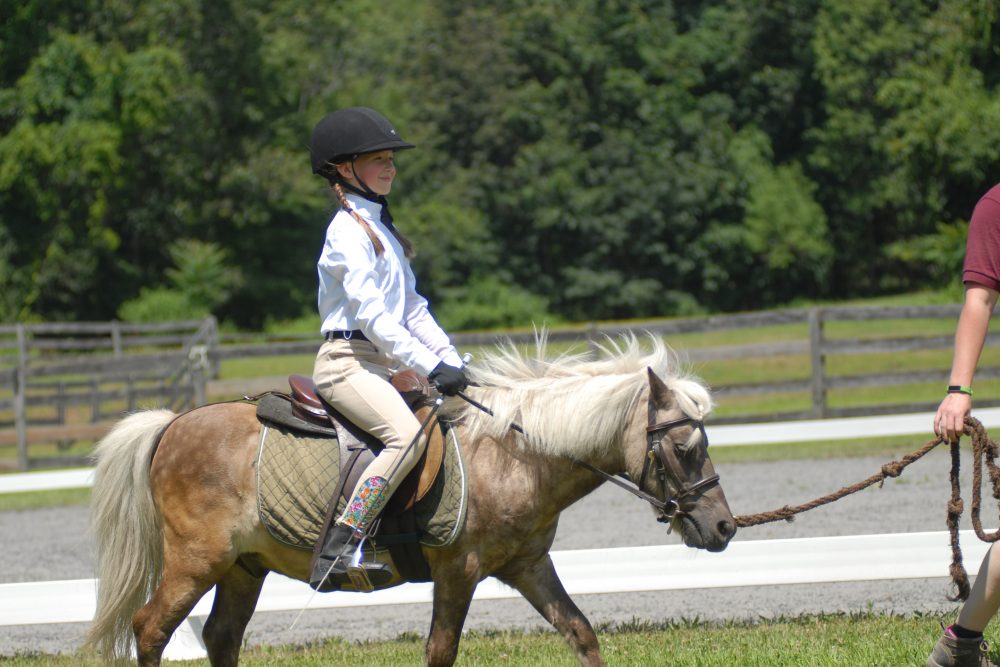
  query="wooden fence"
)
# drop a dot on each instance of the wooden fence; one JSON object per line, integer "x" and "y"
{"x": 109, "y": 368}
{"x": 810, "y": 347}
{"x": 814, "y": 347}
{"x": 54, "y": 373}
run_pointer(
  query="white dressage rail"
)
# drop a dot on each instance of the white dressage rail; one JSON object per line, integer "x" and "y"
{"x": 656, "y": 568}
{"x": 721, "y": 436}
{"x": 812, "y": 430}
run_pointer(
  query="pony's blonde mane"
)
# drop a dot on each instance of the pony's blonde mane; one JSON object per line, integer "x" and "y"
{"x": 572, "y": 404}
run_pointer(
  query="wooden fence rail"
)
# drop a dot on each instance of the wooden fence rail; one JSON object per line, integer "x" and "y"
{"x": 109, "y": 367}
{"x": 103, "y": 368}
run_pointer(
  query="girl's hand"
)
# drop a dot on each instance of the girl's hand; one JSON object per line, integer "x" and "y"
{"x": 949, "y": 421}
{"x": 448, "y": 379}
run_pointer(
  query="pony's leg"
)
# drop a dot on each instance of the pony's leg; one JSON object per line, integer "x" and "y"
{"x": 178, "y": 592}
{"x": 192, "y": 564}
{"x": 235, "y": 599}
{"x": 540, "y": 585}
{"x": 453, "y": 589}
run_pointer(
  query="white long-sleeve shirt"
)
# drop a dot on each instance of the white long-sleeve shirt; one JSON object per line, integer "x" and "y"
{"x": 377, "y": 294}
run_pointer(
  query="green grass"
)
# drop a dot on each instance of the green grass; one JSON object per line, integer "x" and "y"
{"x": 811, "y": 641}
{"x": 256, "y": 367}
{"x": 28, "y": 500}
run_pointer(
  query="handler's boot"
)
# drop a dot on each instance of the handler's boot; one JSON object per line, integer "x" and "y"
{"x": 952, "y": 651}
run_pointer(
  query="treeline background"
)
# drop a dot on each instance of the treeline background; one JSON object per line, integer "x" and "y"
{"x": 585, "y": 159}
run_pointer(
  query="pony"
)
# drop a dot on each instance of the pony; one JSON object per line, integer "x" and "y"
{"x": 174, "y": 497}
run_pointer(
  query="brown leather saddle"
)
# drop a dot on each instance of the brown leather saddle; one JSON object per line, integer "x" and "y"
{"x": 306, "y": 408}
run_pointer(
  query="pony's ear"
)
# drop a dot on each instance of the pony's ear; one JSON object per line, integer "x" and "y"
{"x": 658, "y": 390}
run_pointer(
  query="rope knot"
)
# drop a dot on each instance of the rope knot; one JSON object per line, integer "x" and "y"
{"x": 893, "y": 469}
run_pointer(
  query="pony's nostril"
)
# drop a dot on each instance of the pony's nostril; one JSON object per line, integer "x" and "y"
{"x": 727, "y": 528}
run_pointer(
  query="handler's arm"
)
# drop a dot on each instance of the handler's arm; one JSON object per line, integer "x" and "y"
{"x": 970, "y": 336}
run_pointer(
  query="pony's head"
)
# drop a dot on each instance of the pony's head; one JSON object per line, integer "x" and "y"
{"x": 575, "y": 406}
{"x": 676, "y": 467}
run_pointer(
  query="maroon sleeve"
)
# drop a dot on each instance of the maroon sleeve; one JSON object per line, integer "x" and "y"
{"x": 982, "y": 249}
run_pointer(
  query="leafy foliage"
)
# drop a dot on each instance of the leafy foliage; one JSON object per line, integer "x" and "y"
{"x": 594, "y": 159}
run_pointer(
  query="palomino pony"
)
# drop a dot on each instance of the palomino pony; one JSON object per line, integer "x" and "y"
{"x": 174, "y": 497}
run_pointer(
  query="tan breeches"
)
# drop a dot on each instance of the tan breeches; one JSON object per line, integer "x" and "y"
{"x": 353, "y": 376}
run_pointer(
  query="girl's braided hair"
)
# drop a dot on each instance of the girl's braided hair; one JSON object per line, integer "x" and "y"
{"x": 338, "y": 191}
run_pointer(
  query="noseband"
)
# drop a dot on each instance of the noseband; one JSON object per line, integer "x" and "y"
{"x": 664, "y": 464}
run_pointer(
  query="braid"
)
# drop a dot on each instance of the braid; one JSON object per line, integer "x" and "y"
{"x": 408, "y": 250}
{"x": 342, "y": 198}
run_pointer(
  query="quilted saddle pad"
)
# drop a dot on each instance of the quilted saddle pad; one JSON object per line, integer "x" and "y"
{"x": 297, "y": 475}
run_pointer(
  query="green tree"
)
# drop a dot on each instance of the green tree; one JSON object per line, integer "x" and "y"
{"x": 593, "y": 159}
{"x": 896, "y": 152}
{"x": 199, "y": 282}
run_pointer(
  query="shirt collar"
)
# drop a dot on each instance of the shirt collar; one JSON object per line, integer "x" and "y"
{"x": 366, "y": 207}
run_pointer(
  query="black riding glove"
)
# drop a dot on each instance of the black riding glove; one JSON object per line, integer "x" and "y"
{"x": 448, "y": 379}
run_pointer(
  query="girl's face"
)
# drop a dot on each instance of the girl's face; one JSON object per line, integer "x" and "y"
{"x": 377, "y": 170}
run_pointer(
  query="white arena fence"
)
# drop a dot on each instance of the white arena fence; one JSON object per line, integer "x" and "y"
{"x": 655, "y": 568}
{"x": 733, "y": 435}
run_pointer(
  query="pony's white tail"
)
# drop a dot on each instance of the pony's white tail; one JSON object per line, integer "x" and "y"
{"x": 126, "y": 530}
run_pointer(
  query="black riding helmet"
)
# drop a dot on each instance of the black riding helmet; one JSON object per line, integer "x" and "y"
{"x": 348, "y": 133}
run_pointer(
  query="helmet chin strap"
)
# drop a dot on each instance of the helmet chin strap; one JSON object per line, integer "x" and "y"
{"x": 367, "y": 193}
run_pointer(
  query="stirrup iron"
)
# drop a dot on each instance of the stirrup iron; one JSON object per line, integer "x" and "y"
{"x": 356, "y": 571}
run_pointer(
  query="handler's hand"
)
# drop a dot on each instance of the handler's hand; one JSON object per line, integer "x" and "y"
{"x": 950, "y": 418}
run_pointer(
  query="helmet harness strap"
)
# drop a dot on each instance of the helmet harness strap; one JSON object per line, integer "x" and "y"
{"x": 366, "y": 192}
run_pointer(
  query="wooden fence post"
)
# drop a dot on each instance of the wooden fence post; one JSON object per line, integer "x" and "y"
{"x": 20, "y": 399}
{"x": 213, "y": 348}
{"x": 95, "y": 400}
{"x": 116, "y": 338}
{"x": 61, "y": 405}
{"x": 198, "y": 368}
{"x": 818, "y": 379}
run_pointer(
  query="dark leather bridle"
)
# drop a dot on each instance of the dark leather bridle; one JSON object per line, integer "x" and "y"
{"x": 662, "y": 461}
{"x": 664, "y": 464}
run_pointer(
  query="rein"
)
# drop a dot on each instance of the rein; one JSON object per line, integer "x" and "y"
{"x": 666, "y": 466}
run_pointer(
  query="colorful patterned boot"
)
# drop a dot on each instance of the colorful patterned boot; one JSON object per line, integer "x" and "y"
{"x": 341, "y": 555}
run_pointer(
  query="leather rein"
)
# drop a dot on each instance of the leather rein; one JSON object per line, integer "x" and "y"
{"x": 663, "y": 463}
